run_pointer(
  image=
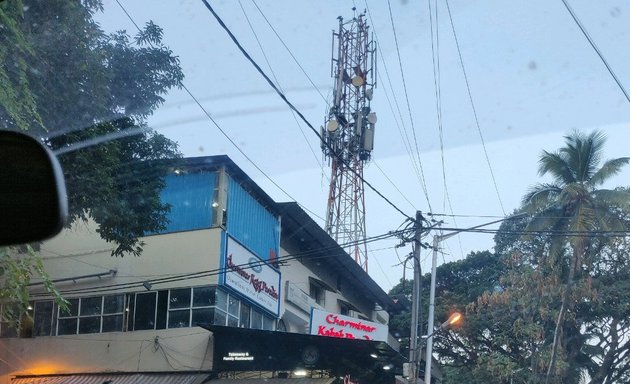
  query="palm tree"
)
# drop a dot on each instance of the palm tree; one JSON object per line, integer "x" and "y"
{"x": 573, "y": 209}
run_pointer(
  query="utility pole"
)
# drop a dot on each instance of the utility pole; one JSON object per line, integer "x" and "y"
{"x": 416, "y": 308}
{"x": 436, "y": 242}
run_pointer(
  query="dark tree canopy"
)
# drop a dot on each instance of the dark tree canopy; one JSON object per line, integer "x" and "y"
{"x": 88, "y": 94}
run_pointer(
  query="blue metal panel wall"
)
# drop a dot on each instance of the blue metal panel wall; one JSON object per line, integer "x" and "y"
{"x": 250, "y": 223}
{"x": 190, "y": 197}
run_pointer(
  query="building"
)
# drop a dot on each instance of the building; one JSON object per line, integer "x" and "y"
{"x": 236, "y": 282}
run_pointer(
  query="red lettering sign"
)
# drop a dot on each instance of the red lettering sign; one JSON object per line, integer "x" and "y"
{"x": 339, "y": 333}
{"x": 259, "y": 285}
{"x": 333, "y": 319}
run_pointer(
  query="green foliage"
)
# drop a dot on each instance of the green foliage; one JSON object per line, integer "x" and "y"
{"x": 87, "y": 94}
{"x": 555, "y": 293}
{"x": 573, "y": 208}
{"x": 17, "y": 266}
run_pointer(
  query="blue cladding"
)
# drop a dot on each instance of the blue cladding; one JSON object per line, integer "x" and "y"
{"x": 190, "y": 197}
{"x": 250, "y": 223}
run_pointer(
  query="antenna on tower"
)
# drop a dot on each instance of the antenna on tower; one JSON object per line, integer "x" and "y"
{"x": 348, "y": 133}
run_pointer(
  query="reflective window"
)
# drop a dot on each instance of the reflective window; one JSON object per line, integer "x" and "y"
{"x": 175, "y": 308}
{"x": 68, "y": 321}
{"x": 144, "y": 316}
{"x": 42, "y": 318}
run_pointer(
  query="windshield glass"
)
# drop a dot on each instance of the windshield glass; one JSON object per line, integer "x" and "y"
{"x": 485, "y": 139}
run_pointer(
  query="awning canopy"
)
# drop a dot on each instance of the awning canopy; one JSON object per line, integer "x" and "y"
{"x": 116, "y": 378}
{"x": 239, "y": 349}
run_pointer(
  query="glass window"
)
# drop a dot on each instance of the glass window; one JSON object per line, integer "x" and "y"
{"x": 179, "y": 318}
{"x": 113, "y": 304}
{"x": 220, "y": 317}
{"x": 68, "y": 321}
{"x": 203, "y": 296}
{"x": 317, "y": 292}
{"x": 202, "y": 316}
{"x": 233, "y": 305}
{"x": 67, "y": 326}
{"x": 244, "y": 318}
{"x": 144, "y": 316}
{"x": 344, "y": 309}
{"x": 222, "y": 299}
{"x": 91, "y": 306}
{"x": 112, "y": 323}
{"x": 42, "y": 318}
{"x": 256, "y": 319}
{"x": 73, "y": 309}
{"x": 90, "y": 324}
{"x": 179, "y": 298}
{"x": 162, "y": 309}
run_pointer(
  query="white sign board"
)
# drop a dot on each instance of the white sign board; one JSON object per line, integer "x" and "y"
{"x": 250, "y": 276}
{"x": 330, "y": 324}
{"x": 299, "y": 298}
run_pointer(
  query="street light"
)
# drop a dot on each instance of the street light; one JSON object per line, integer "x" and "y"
{"x": 436, "y": 240}
{"x": 453, "y": 319}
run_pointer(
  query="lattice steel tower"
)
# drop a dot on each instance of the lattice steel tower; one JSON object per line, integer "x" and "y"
{"x": 348, "y": 135}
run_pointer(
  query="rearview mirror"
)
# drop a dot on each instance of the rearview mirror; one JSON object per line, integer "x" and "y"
{"x": 33, "y": 200}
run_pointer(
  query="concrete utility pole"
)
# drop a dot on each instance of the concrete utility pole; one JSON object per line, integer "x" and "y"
{"x": 415, "y": 302}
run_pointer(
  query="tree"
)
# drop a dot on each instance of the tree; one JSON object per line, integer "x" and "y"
{"x": 573, "y": 208}
{"x": 458, "y": 285}
{"x": 88, "y": 94}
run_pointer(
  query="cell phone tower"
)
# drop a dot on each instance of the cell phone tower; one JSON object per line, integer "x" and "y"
{"x": 348, "y": 134}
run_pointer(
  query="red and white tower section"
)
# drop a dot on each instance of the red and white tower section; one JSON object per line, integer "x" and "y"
{"x": 348, "y": 134}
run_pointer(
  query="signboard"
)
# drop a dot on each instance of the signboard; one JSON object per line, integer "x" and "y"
{"x": 251, "y": 277}
{"x": 299, "y": 298}
{"x": 330, "y": 324}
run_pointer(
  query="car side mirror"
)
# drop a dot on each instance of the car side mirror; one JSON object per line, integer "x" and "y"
{"x": 33, "y": 200}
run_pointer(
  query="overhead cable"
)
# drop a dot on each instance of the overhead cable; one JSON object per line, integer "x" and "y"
{"x": 262, "y": 50}
{"x": 315, "y": 254}
{"x": 290, "y": 53}
{"x": 472, "y": 104}
{"x": 209, "y": 116}
{"x": 413, "y": 128}
{"x": 599, "y": 53}
{"x": 284, "y": 98}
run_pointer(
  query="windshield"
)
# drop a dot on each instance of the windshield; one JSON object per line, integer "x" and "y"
{"x": 329, "y": 154}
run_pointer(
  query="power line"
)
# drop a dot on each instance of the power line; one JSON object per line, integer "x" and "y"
{"x": 393, "y": 184}
{"x": 221, "y": 129}
{"x": 283, "y": 97}
{"x": 544, "y": 232}
{"x": 304, "y": 71}
{"x": 483, "y": 143}
{"x": 290, "y": 53}
{"x": 437, "y": 81}
{"x": 599, "y": 53}
{"x": 413, "y": 129}
{"x": 403, "y": 132}
{"x": 321, "y": 165}
{"x": 322, "y": 252}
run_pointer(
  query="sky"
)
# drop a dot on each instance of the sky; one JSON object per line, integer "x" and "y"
{"x": 532, "y": 75}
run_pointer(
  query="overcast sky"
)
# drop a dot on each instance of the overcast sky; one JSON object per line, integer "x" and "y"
{"x": 532, "y": 74}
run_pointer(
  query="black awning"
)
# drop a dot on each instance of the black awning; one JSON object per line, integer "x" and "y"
{"x": 239, "y": 349}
